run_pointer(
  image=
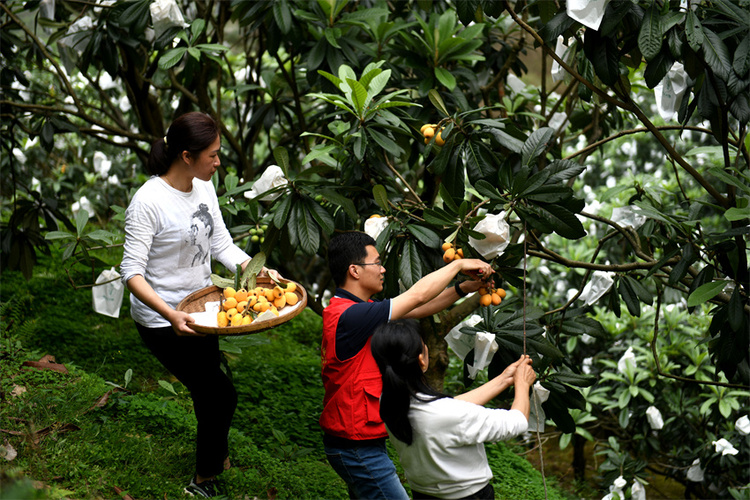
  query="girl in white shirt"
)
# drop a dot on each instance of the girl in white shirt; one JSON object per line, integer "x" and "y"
{"x": 440, "y": 439}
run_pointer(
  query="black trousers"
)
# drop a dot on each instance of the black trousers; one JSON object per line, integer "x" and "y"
{"x": 196, "y": 362}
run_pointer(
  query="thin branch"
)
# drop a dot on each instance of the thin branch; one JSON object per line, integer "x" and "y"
{"x": 720, "y": 198}
{"x": 623, "y": 133}
{"x": 398, "y": 174}
{"x": 44, "y": 109}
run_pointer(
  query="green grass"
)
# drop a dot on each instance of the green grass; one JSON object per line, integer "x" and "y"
{"x": 140, "y": 440}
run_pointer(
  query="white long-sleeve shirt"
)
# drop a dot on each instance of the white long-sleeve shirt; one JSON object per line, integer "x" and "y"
{"x": 446, "y": 458}
{"x": 170, "y": 238}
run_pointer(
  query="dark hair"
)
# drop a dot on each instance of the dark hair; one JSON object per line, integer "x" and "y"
{"x": 192, "y": 132}
{"x": 396, "y": 347}
{"x": 346, "y": 249}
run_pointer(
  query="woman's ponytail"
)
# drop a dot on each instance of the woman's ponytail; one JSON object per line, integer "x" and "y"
{"x": 394, "y": 404}
{"x": 396, "y": 347}
{"x": 158, "y": 160}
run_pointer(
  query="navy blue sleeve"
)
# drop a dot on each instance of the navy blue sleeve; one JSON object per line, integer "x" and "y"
{"x": 357, "y": 324}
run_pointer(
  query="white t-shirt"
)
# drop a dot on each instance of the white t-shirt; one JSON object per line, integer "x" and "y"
{"x": 170, "y": 238}
{"x": 446, "y": 458}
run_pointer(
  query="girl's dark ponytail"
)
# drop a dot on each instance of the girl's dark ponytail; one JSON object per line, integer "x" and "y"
{"x": 394, "y": 405}
{"x": 158, "y": 160}
{"x": 396, "y": 347}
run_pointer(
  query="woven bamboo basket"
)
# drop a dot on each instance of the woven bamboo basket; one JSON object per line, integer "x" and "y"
{"x": 195, "y": 302}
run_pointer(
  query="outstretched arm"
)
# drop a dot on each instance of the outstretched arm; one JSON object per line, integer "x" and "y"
{"x": 414, "y": 302}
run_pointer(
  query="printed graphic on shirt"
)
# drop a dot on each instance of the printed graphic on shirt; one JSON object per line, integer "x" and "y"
{"x": 196, "y": 239}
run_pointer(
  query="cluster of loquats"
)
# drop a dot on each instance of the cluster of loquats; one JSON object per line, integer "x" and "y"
{"x": 450, "y": 253}
{"x": 491, "y": 296}
{"x": 428, "y": 132}
{"x": 241, "y": 307}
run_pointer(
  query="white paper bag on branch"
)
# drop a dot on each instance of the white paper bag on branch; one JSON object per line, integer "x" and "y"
{"x": 597, "y": 286}
{"x": 497, "y": 235}
{"x": 483, "y": 344}
{"x": 670, "y": 91}
{"x": 627, "y": 217}
{"x": 107, "y": 293}
{"x": 375, "y": 225}
{"x": 165, "y": 14}
{"x": 587, "y": 12}
{"x": 460, "y": 343}
{"x": 485, "y": 348}
{"x": 273, "y": 177}
{"x": 564, "y": 52}
{"x": 537, "y": 415}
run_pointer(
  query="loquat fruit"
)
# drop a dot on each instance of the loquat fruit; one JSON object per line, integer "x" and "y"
{"x": 486, "y": 300}
{"x": 291, "y": 298}
{"x": 229, "y": 292}
{"x": 229, "y": 303}
{"x": 449, "y": 255}
{"x": 280, "y": 302}
{"x": 439, "y": 138}
{"x": 221, "y": 319}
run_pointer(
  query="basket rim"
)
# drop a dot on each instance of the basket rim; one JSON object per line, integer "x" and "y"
{"x": 254, "y": 327}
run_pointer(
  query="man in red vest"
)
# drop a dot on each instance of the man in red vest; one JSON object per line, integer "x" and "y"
{"x": 354, "y": 434}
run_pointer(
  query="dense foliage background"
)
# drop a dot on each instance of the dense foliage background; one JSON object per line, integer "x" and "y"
{"x": 628, "y": 168}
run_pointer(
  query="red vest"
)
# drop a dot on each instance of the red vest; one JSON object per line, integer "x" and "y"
{"x": 351, "y": 407}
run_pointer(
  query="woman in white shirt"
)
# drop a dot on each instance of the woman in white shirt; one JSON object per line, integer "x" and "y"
{"x": 440, "y": 439}
{"x": 173, "y": 227}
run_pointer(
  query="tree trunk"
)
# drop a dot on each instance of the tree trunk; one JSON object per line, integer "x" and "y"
{"x": 434, "y": 333}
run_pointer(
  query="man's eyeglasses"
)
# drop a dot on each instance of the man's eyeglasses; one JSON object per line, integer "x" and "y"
{"x": 368, "y": 264}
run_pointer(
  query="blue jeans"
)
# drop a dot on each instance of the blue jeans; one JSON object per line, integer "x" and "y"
{"x": 368, "y": 471}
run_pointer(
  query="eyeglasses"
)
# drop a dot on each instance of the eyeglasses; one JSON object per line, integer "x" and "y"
{"x": 368, "y": 264}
